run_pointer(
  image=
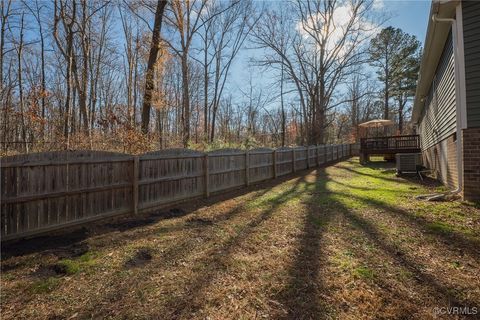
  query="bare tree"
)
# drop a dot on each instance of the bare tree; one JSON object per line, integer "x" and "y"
{"x": 226, "y": 25}
{"x": 152, "y": 60}
{"x": 91, "y": 81}
{"x": 5, "y": 12}
{"x": 132, "y": 56}
{"x": 19, "y": 50}
{"x": 184, "y": 20}
{"x": 36, "y": 13}
{"x": 68, "y": 20}
{"x": 318, "y": 53}
{"x": 360, "y": 98}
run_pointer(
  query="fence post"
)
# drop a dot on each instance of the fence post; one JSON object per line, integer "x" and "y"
{"x": 136, "y": 165}
{"x": 207, "y": 175}
{"x": 308, "y": 157}
{"x": 350, "y": 150}
{"x": 317, "y": 154}
{"x": 275, "y": 163}
{"x": 293, "y": 159}
{"x": 247, "y": 168}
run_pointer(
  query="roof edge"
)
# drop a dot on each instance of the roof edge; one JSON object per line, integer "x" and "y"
{"x": 437, "y": 34}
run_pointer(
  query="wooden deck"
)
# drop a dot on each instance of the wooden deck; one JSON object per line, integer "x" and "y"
{"x": 389, "y": 145}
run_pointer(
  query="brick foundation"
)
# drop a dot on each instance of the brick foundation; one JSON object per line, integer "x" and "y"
{"x": 471, "y": 164}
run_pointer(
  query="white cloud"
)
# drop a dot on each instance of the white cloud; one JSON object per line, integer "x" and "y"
{"x": 342, "y": 16}
{"x": 378, "y": 4}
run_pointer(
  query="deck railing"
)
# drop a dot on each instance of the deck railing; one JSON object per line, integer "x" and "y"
{"x": 390, "y": 144}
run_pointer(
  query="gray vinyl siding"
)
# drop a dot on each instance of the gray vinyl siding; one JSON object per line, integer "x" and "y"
{"x": 438, "y": 120}
{"x": 471, "y": 43}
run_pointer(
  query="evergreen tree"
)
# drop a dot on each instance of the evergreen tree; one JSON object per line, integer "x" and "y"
{"x": 395, "y": 54}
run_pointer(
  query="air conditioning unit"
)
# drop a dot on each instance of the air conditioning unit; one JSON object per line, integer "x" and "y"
{"x": 408, "y": 162}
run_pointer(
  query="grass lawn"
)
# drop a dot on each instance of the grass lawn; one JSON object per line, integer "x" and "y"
{"x": 343, "y": 242}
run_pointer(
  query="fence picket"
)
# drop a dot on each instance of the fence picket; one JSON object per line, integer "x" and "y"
{"x": 52, "y": 190}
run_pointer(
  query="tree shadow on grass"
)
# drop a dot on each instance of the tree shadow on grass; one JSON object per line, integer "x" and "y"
{"x": 440, "y": 290}
{"x": 63, "y": 239}
{"x": 302, "y": 295}
{"x": 209, "y": 266}
{"x": 354, "y": 171}
{"x": 388, "y": 168}
{"x": 187, "y": 245}
{"x": 452, "y": 239}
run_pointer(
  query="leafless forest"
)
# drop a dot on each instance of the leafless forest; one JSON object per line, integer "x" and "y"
{"x": 144, "y": 75}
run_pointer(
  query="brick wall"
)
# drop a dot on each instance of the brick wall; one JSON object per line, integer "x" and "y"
{"x": 442, "y": 158}
{"x": 471, "y": 164}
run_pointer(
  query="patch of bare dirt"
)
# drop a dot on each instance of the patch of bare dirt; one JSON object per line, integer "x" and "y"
{"x": 140, "y": 258}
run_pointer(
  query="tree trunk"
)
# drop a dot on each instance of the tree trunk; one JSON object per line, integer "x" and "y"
{"x": 185, "y": 102}
{"x": 44, "y": 87}
{"x": 282, "y": 108}
{"x": 152, "y": 60}
{"x": 386, "y": 94}
{"x": 20, "y": 87}
{"x": 205, "y": 94}
{"x": 401, "y": 106}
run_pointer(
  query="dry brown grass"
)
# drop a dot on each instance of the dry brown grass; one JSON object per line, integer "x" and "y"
{"x": 344, "y": 242}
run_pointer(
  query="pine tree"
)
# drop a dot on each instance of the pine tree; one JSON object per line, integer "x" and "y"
{"x": 395, "y": 54}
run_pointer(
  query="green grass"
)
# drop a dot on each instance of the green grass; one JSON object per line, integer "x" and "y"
{"x": 373, "y": 186}
{"x": 440, "y": 227}
{"x": 364, "y": 272}
{"x": 73, "y": 266}
{"x": 45, "y": 285}
{"x": 342, "y": 242}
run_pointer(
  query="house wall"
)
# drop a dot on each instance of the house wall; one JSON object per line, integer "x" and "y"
{"x": 471, "y": 135}
{"x": 471, "y": 43}
{"x": 442, "y": 159}
{"x": 471, "y": 164}
{"x": 437, "y": 127}
{"x": 438, "y": 120}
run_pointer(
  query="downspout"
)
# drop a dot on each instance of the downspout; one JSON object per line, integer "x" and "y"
{"x": 459, "y": 67}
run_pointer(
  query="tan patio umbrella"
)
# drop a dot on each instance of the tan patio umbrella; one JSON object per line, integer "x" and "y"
{"x": 376, "y": 123}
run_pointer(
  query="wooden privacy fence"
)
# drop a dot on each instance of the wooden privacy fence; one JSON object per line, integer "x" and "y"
{"x": 52, "y": 190}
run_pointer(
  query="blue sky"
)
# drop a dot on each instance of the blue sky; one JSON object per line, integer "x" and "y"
{"x": 409, "y": 15}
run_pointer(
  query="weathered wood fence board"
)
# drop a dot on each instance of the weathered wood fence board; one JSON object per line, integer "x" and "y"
{"x": 169, "y": 175}
{"x": 226, "y": 169}
{"x": 48, "y": 191}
